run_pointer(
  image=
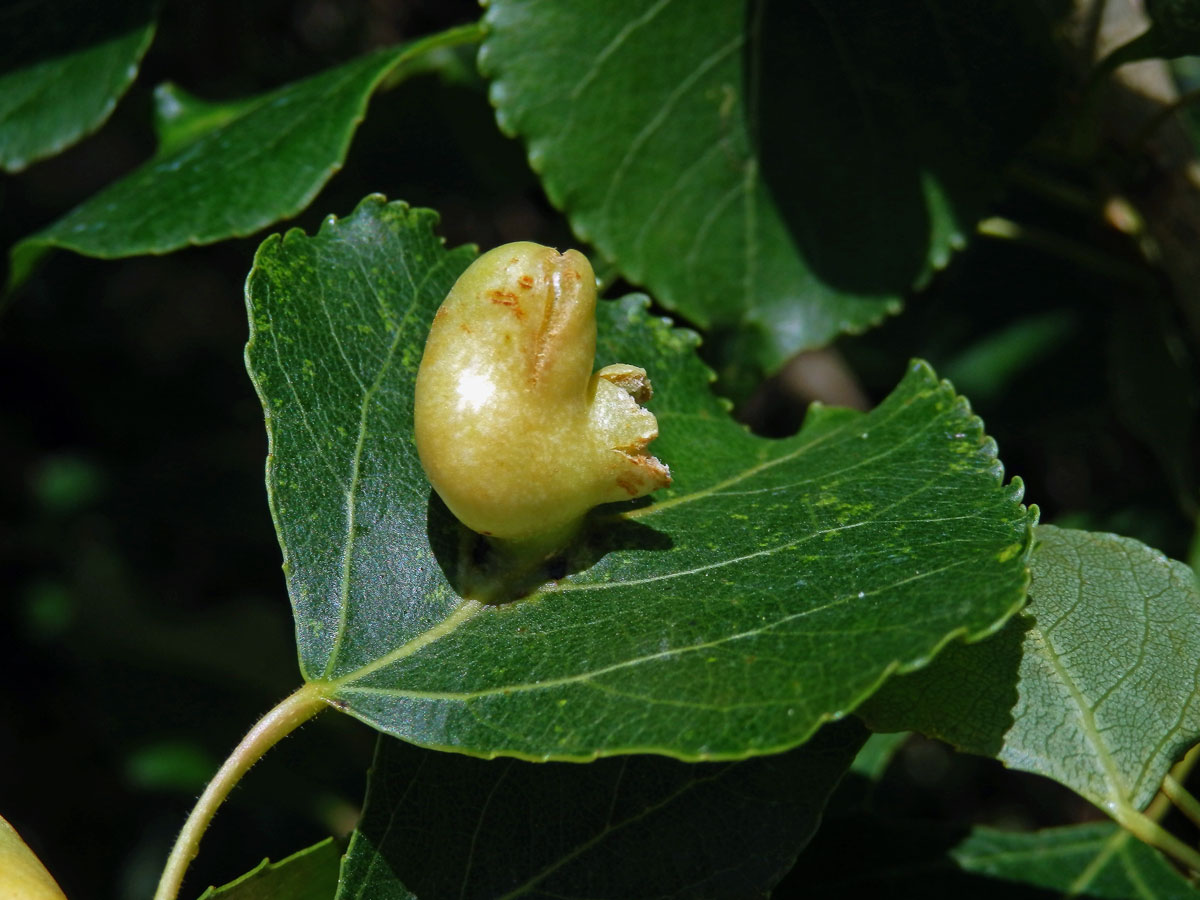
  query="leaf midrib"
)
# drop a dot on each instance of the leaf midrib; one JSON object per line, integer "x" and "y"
{"x": 463, "y": 615}
{"x": 59, "y": 233}
{"x": 352, "y": 496}
{"x": 1088, "y": 720}
{"x": 468, "y": 609}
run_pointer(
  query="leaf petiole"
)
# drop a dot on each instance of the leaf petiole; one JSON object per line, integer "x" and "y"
{"x": 1145, "y": 829}
{"x": 288, "y": 715}
{"x": 1182, "y": 798}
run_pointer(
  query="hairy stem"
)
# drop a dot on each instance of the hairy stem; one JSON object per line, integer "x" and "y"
{"x": 277, "y": 724}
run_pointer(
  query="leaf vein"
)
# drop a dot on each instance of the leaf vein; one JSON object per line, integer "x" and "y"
{"x": 660, "y": 117}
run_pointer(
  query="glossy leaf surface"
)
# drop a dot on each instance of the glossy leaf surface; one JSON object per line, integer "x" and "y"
{"x": 229, "y": 169}
{"x": 772, "y": 587}
{"x": 882, "y": 132}
{"x": 63, "y": 66}
{"x": 1095, "y": 685}
{"x": 443, "y": 825}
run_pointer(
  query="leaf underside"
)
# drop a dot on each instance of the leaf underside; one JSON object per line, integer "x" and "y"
{"x": 936, "y": 859}
{"x": 1097, "y": 859}
{"x": 1096, "y": 684}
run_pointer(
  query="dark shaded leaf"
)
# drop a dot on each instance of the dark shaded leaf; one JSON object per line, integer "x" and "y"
{"x": 868, "y": 855}
{"x": 308, "y": 874}
{"x": 444, "y": 825}
{"x": 787, "y": 169}
{"x": 1156, "y": 391}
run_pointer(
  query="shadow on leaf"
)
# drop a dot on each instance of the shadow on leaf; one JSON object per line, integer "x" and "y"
{"x": 965, "y": 697}
{"x": 476, "y": 569}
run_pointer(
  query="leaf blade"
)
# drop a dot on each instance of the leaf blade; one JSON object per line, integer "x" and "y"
{"x": 70, "y": 63}
{"x": 230, "y": 169}
{"x": 308, "y": 874}
{"x": 437, "y": 824}
{"x": 723, "y": 175}
{"x": 1096, "y": 859}
{"x": 773, "y": 587}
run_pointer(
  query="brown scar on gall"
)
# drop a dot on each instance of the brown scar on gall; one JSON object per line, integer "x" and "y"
{"x": 626, "y": 485}
{"x": 509, "y": 299}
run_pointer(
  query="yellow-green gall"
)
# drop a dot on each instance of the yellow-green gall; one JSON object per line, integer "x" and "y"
{"x": 517, "y": 435}
{"x": 22, "y": 875}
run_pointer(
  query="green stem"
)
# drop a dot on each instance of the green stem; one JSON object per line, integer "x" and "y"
{"x": 1148, "y": 831}
{"x": 1182, "y": 798}
{"x": 277, "y": 724}
{"x": 1145, "y": 827}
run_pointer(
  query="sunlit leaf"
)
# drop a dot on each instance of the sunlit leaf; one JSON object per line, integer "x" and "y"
{"x": 772, "y": 587}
